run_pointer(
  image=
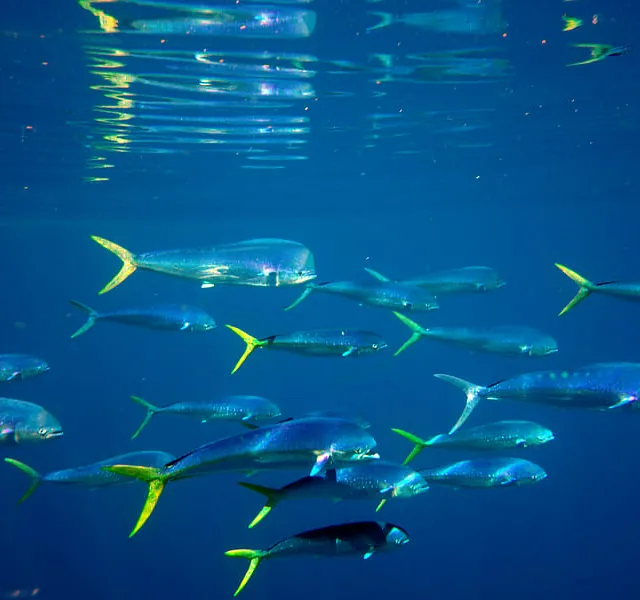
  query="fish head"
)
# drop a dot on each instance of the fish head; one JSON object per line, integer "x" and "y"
{"x": 544, "y": 436}
{"x": 298, "y": 268}
{"x": 420, "y": 302}
{"x": 43, "y": 427}
{"x": 394, "y": 535}
{"x": 544, "y": 347}
{"x": 353, "y": 444}
{"x": 528, "y": 472}
{"x": 370, "y": 342}
{"x": 36, "y": 366}
{"x": 411, "y": 485}
{"x": 207, "y": 324}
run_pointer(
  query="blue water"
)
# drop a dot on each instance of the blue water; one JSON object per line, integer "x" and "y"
{"x": 551, "y": 177}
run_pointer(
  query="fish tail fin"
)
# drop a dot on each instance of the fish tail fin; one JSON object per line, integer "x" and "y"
{"x": 254, "y": 557}
{"x": 584, "y": 285}
{"x": 91, "y": 319}
{"x": 386, "y": 19}
{"x": 128, "y": 262}
{"x": 273, "y": 496}
{"x": 305, "y": 294}
{"x": 381, "y": 504}
{"x": 473, "y": 393}
{"x": 418, "y": 332}
{"x": 151, "y": 410}
{"x": 251, "y": 342}
{"x": 151, "y": 475}
{"x": 376, "y": 275}
{"x": 36, "y": 478}
{"x": 419, "y": 444}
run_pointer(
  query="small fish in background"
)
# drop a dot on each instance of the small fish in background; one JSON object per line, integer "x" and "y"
{"x": 315, "y": 342}
{"x": 364, "y": 538}
{"x": 600, "y": 386}
{"x": 265, "y": 262}
{"x": 571, "y": 23}
{"x": 379, "y": 294}
{"x": 599, "y": 52}
{"x": 230, "y": 408}
{"x": 464, "y": 280}
{"x": 21, "y": 366}
{"x": 508, "y": 340}
{"x": 91, "y": 476}
{"x": 377, "y": 480}
{"x": 21, "y": 593}
{"x": 623, "y": 290}
{"x": 486, "y": 473}
{"x": 25, "y": 422}
{"x": 313, "y": 444}
{"x": 500, "y": 435}
{"x": 162, "y": 317}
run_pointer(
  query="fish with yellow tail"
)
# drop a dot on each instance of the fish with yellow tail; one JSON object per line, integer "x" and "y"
{"x": 313, "y": 443}
{"x": 372, "y": 480}
{"x": 363, "y": 538}
{"x": 618, "y": 289}
{"x": 601, "y": 387}
{"x": 264, "y": 262}
{"x": 508, "y": 340}
{"x": 315, "y": 342}
{"x": 500, "y": 435}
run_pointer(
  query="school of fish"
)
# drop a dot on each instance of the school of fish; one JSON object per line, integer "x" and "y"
{"x": 334, "y": 452}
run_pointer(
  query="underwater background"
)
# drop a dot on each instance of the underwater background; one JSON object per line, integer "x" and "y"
{"x": 388, "y": 148}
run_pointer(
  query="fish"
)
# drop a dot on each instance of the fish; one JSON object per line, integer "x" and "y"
{"x": 486, "y": 473}
{"x": 161, "y": 317}
{"x": 264, "y": 262}
{"x": 231, "y": 408}
{"x": 381, "y": 294}
{"x": 453, "y": 281}
{"x": 316, "y": 342}
{"x": 21, "y": 366}
{"x": 623, "y": 290}
{"x": 599, "y": 386}
{"x": 500, "y": 435}
{"x": 374, "y": 479}
{"x": 363, "y": 538}
{"x": 301, "y": 443}
{"x": 25, "y": 422}
{"x": 599, "y": 52}
{"x": 508, "y": 340}
{"x": 92, "y": 475}
{"x": 571, "y": 23}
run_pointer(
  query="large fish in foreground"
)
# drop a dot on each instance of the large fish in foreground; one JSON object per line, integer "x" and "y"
{"x": 313, "y": 444}
{"x": 161, "y": 317}
{"x": 316, "y": 342}
{"x": 22, "y": 421}
{"x": 624, "y": 290}
{"x": 453, "y": 281}
{"x": 91, "y": 476}
{"x": 231, "y": 408}
{"x": 21, "y": 366}
{"x": 381, "y": 294}
{"x": 377, "y": 479}
{"x": 508, "y": 340}
{"x": 360, "y": 539}
{"x": 265, "y": 262}
{"x": 500, "y": 435}
{"x": 601, "y": 386}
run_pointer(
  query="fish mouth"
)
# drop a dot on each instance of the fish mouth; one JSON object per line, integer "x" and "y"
{"x": 56, "y": 433}
{"x": 551, "y": 351}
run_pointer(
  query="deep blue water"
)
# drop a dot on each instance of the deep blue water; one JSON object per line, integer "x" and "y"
{"x": 551, "y": 177}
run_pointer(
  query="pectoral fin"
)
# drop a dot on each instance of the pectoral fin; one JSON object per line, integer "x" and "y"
{"x": 321, "y": 463}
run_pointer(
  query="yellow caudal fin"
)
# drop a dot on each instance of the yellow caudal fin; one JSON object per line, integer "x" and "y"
{"x": 35, "y": 476}
{"x": 585, "y": 288}
{"x": 251, "y": 342}
{"x": 254, "y": 557}
{"x": 128, "y": 262}
{"x": 156, "y": 480}
{"x": 419, "y": 444}
{"x": 418, "y": 332}
{"x": 273, "y": 496}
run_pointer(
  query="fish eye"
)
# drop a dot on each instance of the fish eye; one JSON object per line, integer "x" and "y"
{"x": 42, "y": 431}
